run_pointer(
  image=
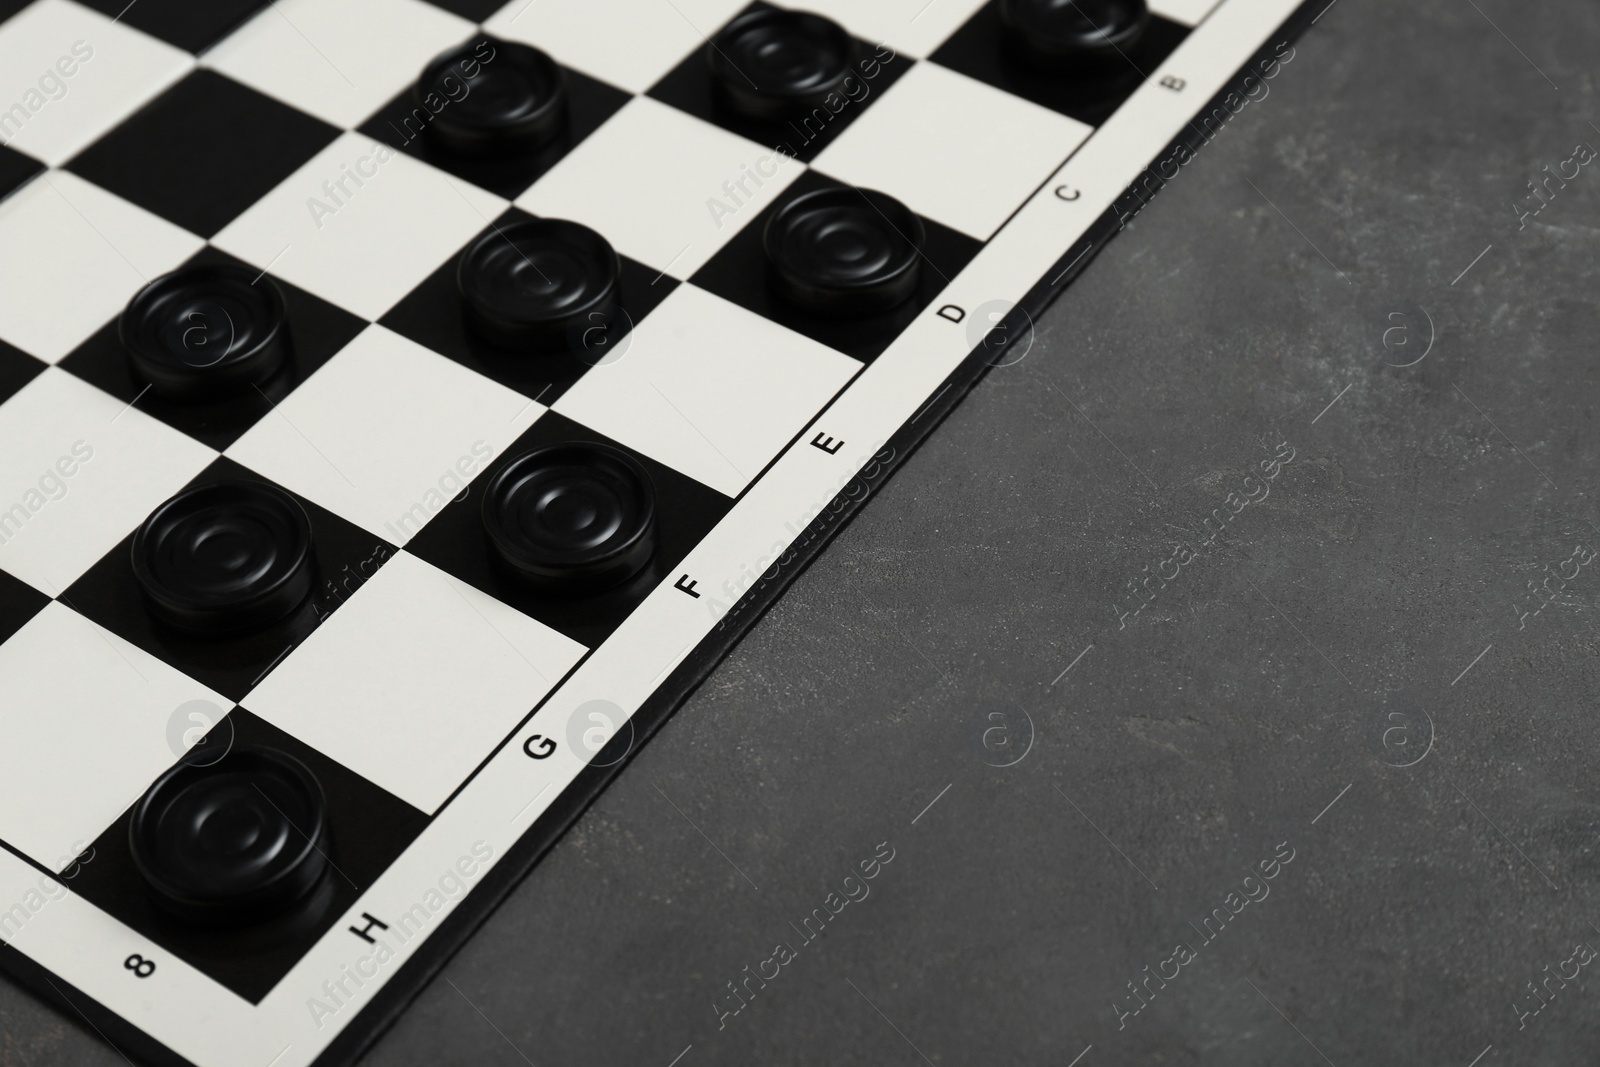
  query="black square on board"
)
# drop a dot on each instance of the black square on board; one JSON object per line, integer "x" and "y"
{"x": 19, "y": 602}
{"x": 15, "y": 169}
{"x": 689, "y": 87}
{"x": 455, "y": 542}
{"x": 189, "y": 25}
{"x": 203, "y": 151}
{"x": 317, "y": 331}
{"x": 17, "y": 369}
{"x": 402, "y": 124}
{"x": 368, "y": 829}
{"x": 431, "y": 316}
{"x": 738, "y": 273}
{"x": 346, "y": 556}
{"x": 979, "y": 50}
{"x": 474, "y": 10}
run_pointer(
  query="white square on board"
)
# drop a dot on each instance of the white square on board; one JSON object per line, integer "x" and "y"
{"x": 709, "y": 389}
{"x": 646, "y": 181}
{"x": 1184, "y": 12}
{"x": 82, "y": 470}
{"x": 954, "y": 149}
{"x": 629, "y": 43}
{"x": 87, "y": 723}
{"x": 385, "y": 433}
{"x": 414, "y": 680}
{"x": 368, "y": 246}
{"x": 71, "y": 255}
{"x": 69, "y": 74}
{"x": 911, "y": 27}
{"x": 340, "y": 60}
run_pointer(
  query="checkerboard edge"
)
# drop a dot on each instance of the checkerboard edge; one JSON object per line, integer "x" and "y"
{"x": 672, "y": 692}
{"x": 364, "y": 1029}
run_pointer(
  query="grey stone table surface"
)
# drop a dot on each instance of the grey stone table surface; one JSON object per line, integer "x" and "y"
{"x": 1361, "y": 687}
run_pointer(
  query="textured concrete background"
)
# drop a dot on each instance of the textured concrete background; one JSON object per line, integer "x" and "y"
{"x": 1315, "y": 648}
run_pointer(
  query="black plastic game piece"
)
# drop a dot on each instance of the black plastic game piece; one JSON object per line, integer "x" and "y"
{"x": 492, "y": 98}
{"x": 206, "y": 331}
{"x": 1075, "y": 36}
{"x": 772, "y": 63}
{"x": 225, "y": 557}
{"x": 232, "y": 841}
{"x": 573, "y": 517}
{"x": 539, "y": 284}
{"x": 844, "y": 251}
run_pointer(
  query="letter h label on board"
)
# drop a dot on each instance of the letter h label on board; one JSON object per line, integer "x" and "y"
{"x": 365, "y": 932}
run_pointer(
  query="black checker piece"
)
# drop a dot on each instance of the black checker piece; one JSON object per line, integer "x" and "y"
{"x": 1081, "y": 58}
{"x": 844, "y": 251}
{"x": 231, "y": 840}
{"x": 790, "y": 80}
{"x": 847, "y": 267}
{"x": 495, "y": 113}
{"x": 206, "y": 331}
{"x": 513, "y": 103}
{"x": 539, "y": 285}
{"x": 771, "y": 63}
{"x": 217, "y": 355}
{"x": 574, "y": 517}
{"x": 1074, "y": 37}
{"x": 226, "y": 557}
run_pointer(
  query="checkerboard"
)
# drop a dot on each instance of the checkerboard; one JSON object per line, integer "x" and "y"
{"x": 458, "y": 725}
